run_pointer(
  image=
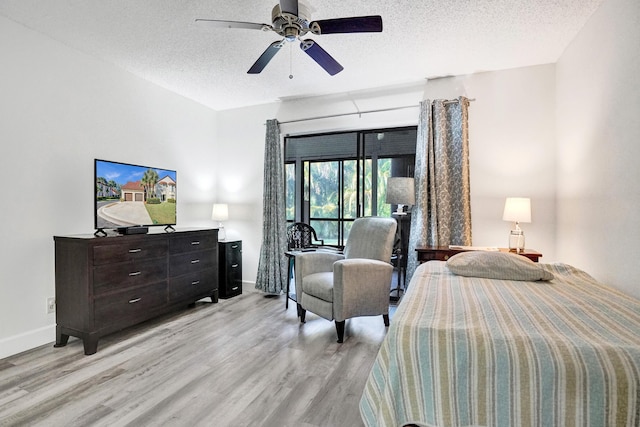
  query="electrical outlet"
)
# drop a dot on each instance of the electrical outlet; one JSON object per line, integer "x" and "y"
{"x": 51, "y": 305}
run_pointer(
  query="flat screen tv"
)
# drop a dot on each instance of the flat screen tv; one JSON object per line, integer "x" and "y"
{"x": 128, "y": 196}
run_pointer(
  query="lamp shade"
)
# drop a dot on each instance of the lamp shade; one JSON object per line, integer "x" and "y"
{"x": 400, "y": 191}
{"x": 517, "y": 209}
{"x": 220, "y": 212}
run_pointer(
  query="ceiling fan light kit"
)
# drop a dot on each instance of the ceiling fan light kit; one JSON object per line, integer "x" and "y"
{"x": 290, "y": 20}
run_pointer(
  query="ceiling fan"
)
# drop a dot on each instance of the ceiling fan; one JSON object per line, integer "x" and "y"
{"x": 290, "y": 20}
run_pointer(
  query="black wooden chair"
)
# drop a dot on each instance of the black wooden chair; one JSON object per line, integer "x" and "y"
{"x": 302, "y": 236}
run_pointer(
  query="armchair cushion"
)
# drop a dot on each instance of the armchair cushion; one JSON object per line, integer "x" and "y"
{"x": 371, "y": 238}
{"x": 313, "y": 262}
{"x": 320, "y": 285}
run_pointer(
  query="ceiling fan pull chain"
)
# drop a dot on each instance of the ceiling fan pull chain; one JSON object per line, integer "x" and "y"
{"x": 290, "y": 61}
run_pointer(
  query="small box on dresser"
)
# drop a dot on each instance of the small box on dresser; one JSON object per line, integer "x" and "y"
{"x": 230, "y": 268}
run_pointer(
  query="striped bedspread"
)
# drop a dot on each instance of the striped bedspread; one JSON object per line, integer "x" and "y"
{"x": 465, "y": 351}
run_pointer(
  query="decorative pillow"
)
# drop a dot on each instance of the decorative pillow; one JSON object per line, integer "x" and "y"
{"x": 497, "y": 265}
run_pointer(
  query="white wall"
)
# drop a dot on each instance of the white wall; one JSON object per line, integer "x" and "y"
{"x": 239, "y": 168}
{"x": 60, "y": 109}
{"x": 598, "y": 147}
{"x": 512, "y": 154}
{"x": 511, "y": 137}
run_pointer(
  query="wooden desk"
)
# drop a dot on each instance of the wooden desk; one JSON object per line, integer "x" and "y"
{"x": 443, "y": 253}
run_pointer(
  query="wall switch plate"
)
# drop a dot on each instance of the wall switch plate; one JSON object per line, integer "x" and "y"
{"x": 51, "y": 305}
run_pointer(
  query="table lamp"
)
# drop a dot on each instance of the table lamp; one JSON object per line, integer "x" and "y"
{"x": 517, "y": 209}
{"x": 220, "y": 213}
{"x": 400, "y": 191}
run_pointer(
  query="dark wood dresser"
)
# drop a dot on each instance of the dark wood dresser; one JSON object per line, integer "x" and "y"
{"x": 230, "y": 263}
{"x": 105, "y": 284}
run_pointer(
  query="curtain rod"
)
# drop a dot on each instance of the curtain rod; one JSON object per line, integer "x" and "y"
{"x": 452, "y": 101}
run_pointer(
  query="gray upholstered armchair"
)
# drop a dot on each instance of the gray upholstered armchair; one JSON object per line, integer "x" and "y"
{"x": 340, "y": 286}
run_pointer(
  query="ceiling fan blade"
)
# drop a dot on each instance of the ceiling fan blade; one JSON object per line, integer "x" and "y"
{"x": 289, "y": 6}
{"x": 321, "y": 56}
{"x": 234, "y": 24}
{"x": 356, "y": 24}
{"x": 266, "y": 56}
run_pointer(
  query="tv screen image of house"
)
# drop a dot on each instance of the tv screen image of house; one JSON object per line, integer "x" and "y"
{"x": 128, "y": 195}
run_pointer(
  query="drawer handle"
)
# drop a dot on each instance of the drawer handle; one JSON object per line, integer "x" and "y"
{"x": 133, "y": 251}
{"x": 195, "y": 282}
{"x": 195, "y": 242}
{"x": 135, "y": 273}
{"x": 235, "y": 289}
{"x": 195, "y": 261}
{"x": 234, "y": 265}
{"x": 135, "y": 300}
{"x": 234, "y": 246}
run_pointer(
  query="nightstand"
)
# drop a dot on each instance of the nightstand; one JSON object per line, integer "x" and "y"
{"x": 443, "y": 253}
{"x": 230, "y": 268}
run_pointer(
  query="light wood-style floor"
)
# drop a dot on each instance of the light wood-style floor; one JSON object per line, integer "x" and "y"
{"x": 242, "y": 362}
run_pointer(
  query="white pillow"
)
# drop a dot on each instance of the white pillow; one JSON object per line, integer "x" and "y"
{"x": 497, "y": 265}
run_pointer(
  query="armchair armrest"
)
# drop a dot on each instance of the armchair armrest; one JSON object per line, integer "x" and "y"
{"x": 361, "y": 287}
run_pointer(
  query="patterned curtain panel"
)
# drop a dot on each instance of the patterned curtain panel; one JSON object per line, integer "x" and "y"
{"x": 272, "y": 266}
{"x": 442, "y": 213}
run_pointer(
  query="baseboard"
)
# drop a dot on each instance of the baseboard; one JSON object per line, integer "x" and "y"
{"x": 27, "y": 341}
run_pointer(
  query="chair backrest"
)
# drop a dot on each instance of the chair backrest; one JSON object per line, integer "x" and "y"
{"x": 372, "y": 238}
{"x": 301, "y": 236}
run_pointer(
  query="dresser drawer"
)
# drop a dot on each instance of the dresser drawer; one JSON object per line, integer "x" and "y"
{"x": 233, "y": 252}
{"x": 111, "y": 277}
{"x": 189, "y": 286}
{"x": 130, "y": 306}
{"x": 232, "y": 288}
{"x": 432, "y": 256}
{"x": 191, "y": 262}
{"x": 129, "y": 251}
{"x": 193, "y": 243}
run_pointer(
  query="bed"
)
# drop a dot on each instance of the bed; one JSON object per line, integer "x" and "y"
{"x": 465, "y": 351}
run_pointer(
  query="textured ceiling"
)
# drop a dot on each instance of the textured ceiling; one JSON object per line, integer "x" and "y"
{"x": 159, "y": 40}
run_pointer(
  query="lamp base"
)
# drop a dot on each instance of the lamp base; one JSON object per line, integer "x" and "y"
{"x": 399, "y": 210}
{"x": 516, "y": 241}
{"x": 221, "y": 234}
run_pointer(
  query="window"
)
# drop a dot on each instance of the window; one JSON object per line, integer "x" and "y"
{"x": 334, "y": 178}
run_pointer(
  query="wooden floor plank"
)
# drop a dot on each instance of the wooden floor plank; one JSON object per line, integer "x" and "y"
{"x": 245, "y": 361}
